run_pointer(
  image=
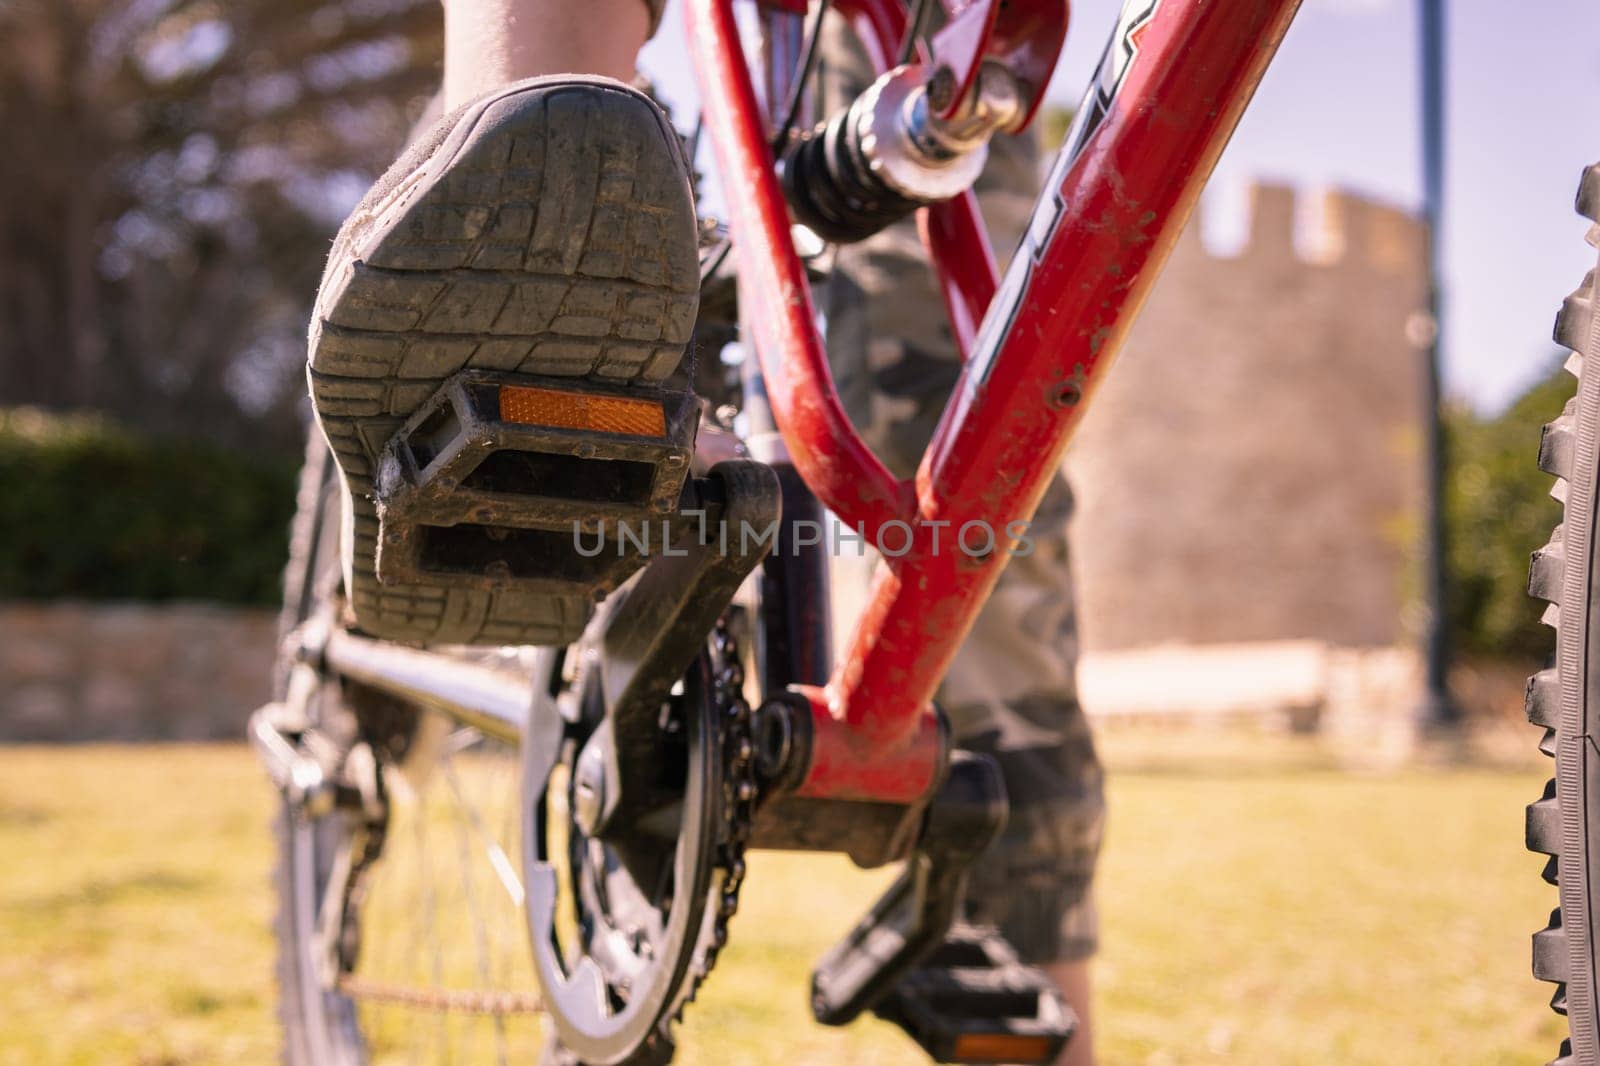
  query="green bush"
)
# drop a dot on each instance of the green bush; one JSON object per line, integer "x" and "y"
{"x": 1498, "y": 509}
{"x": 91, "y": 511}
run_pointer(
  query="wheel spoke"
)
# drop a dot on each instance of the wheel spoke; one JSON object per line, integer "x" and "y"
{"x": 468, "y": 827}
{"x": 504, "y": 870}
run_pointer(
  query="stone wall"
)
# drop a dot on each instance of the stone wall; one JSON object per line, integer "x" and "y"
{"x": 1252, "y": 471}
{"x": 82, "y": 672}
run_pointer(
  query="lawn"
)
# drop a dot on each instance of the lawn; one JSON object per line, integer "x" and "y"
{"x": 1259, "y": 911}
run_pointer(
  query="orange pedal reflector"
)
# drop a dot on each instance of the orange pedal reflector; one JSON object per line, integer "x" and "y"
{"x": 531, "y": 406}
{"x": 1001, "y": 1047}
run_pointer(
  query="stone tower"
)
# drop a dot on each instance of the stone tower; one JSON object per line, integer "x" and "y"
{"x": 1252, "y": 469}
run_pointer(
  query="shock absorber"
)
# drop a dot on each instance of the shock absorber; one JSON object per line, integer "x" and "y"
{"x": 888, "y": 153}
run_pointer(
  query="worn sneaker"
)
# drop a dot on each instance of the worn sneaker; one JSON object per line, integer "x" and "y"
{"x": 487, "y": 359}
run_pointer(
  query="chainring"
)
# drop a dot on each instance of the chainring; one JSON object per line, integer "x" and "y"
{"x": 624, "y": 929}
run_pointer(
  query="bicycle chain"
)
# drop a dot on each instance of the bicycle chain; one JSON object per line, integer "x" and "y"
{"x": 492, "y": 1002}
{"x": 740, "y": 791}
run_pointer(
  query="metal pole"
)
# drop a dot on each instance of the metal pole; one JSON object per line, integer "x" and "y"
{"x": 1438, "y": 710}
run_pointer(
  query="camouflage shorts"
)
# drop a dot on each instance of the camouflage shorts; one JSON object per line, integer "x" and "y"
{"x": 1011, "y": 692}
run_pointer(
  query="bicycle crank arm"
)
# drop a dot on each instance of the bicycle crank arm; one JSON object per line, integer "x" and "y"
{"x": 913, "y": 915}
{"x": 653, "y": 628}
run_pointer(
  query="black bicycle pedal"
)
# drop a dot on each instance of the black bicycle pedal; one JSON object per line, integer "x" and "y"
{"x": 974, "y": 1001}
{"x": 538, "y": 484}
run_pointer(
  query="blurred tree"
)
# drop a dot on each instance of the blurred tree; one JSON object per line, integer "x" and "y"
{"x": 171, "y": 172}
{"x": 1498, "y": 507}
{"x": 1054, "y": 122}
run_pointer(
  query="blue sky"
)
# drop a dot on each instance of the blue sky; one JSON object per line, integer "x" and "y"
{"x": 1339, "y": 107}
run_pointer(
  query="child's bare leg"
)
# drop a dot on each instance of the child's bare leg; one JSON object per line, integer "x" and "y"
{"x": 1073, "y": 980}
{"x": 489, "y": 43}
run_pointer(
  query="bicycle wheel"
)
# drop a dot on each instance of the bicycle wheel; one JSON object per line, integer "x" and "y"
{"x": 1565, "y": 699}
{"x": 399, "y": 922}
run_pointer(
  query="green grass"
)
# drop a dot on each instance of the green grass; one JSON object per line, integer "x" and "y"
{"x": 1254, "y": 911}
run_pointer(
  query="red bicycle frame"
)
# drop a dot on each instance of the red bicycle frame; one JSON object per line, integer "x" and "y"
{"x": 1174, "y": 82}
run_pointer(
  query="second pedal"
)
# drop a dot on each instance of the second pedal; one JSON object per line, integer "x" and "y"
{"x": 974, "y": 1001}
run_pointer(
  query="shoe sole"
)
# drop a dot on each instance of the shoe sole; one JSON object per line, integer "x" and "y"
{"x": 550, "y": 234}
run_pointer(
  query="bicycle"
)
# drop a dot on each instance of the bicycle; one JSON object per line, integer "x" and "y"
{"x": 700, "y": 715}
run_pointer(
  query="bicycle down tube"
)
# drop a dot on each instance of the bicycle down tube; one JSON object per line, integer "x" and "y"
{"x": 1170, "y": 88}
